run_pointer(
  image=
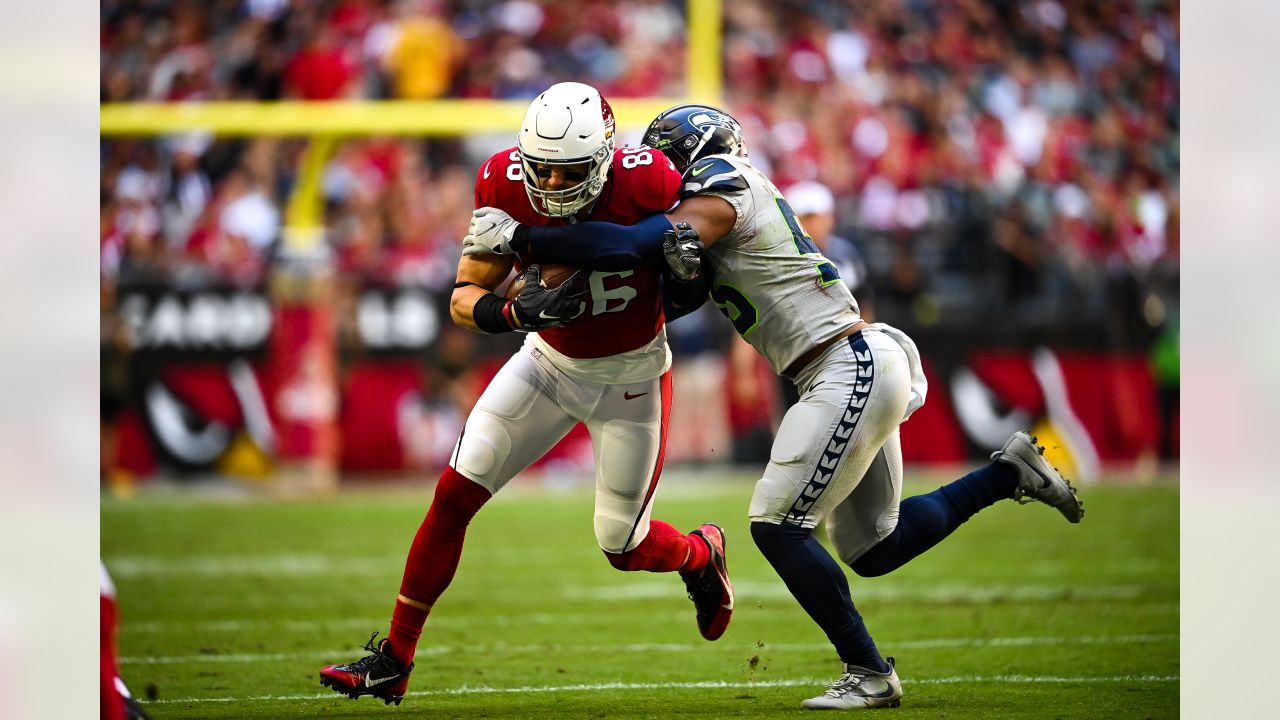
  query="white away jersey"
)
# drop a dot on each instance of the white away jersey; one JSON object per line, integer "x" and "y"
{"x": 769, "y": 278}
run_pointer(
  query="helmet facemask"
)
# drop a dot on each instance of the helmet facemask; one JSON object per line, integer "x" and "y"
{"x": 569, "y": 124}
{"x": 566, "y": 202}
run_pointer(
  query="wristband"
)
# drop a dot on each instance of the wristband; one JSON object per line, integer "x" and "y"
{"x": 519, "y": 242}
{"x": 491, "y": 314}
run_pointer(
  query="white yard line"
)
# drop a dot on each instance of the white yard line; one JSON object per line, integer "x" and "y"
{"x": 373, "y": 623}
{"x": 880, "y": 591}
{"x": 335, "y": 655}
{"x": 817, "y": 682}
{"x": 445, "y": 620}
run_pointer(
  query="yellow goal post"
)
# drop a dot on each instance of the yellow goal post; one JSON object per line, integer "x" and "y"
{"x": 324, "y": 123}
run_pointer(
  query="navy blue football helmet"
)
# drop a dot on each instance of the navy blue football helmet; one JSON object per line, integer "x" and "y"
{"x": 686, "y": 133}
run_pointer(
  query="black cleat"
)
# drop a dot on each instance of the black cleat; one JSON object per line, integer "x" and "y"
{"x": 709, "y": 588}
{"x": 378, "y": 674}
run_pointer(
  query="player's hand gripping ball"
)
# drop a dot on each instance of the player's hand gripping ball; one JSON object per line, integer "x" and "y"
{"x": 547, "y": 296}
{"x": 550, "y": 275}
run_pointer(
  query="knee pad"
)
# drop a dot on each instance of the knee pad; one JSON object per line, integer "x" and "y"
{"x": 483, "y": 448}
{"x": 617, "y": 532}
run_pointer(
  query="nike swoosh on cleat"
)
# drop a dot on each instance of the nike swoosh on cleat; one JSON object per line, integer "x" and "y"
{"x": 370, "y": 681}
{"x": 887, "y": 692}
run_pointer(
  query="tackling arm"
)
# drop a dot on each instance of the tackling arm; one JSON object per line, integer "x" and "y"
{"x": 594, "y": 245}
{"x": 610, "y": 247}
{"x": 709, "y": 216}
{"x": 681, "y": 297}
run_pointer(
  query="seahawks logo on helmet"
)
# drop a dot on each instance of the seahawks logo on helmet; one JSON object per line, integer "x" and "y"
{"x": 688, "y": 132}
{"x": 702, "y": 120}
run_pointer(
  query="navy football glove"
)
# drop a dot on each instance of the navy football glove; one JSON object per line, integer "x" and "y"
{"x": 538, "y": 307}
{"x": 683, "y": 251}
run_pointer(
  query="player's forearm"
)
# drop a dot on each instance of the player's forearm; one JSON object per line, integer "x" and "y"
{"x": 462, "y": 304}
{"x": 595, "y": 245}
{"x": 478, "y": 310}
{"x": 681, "y": 297}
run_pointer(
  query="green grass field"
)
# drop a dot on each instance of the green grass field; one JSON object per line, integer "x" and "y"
{"x": 230, "y": 607}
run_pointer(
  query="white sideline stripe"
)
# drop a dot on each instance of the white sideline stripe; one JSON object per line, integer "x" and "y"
{"x": 817, "y": 682}
{"x": 881, "y": 592}
{"x": 288, "y": 565}
{"x": 662, "y": 647}
{"x": 294, "y": 565}
{"x": 366, "y": 624}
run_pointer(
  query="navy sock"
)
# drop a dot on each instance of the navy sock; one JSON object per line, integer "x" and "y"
{"x": 981, "y": 488}
{"x": 924, "y": 520}
{"x": 818, "y": 583}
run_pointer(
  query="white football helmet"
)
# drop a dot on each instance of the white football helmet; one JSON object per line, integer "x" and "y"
{"x": 569, "y": 124}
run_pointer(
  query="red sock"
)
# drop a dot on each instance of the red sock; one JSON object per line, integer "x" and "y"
{"x": 664, "y": 549}
{"x": 433, "y": 558}
{"x": 111, "y": 702}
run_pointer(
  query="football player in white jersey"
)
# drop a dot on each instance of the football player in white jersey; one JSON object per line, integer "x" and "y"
{"x": 837, "y": 454}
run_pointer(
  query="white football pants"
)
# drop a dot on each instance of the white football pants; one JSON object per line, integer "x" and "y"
{"x": 531, "y": 404}
{"x": 837, "y": 454}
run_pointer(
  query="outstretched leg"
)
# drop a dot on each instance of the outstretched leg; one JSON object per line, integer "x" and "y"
{"x": 516, "y": 421}
{"x": 819, "y": 585}
{"x": 924, "y": 520}
{"x": 1018, "y": 470}
{"x": 433, "y": 558}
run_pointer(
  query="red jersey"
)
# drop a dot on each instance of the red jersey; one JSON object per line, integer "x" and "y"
{"x": 624, "y": 309}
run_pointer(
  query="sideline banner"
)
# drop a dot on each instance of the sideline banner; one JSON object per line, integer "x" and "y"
{"x": 228, "y": 380}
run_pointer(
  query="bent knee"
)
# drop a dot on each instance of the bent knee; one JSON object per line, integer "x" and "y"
{"x": 483, "y": 448}
{"x": 625, "y": 561}
{"x": 618, "y": 530}
{"x": 764, "y": 533}
{"x": 867, "y": 567}
{"x": 769, "y": 536}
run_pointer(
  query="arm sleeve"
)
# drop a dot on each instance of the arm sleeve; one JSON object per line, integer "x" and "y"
{"x": 681, "y": 297}
{"x": 595, "y": 245}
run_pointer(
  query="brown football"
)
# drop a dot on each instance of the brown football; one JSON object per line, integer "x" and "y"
{"x": 552, "y": 276}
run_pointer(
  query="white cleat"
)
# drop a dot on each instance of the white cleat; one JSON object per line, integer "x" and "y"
{"x": 860, "y": 689}
{"x": 1037, "y": 479}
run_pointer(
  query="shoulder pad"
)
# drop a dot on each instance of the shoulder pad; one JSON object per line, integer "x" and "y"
{"x": 712, "y": 174}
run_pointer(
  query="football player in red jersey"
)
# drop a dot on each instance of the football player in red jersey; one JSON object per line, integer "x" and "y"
{"x": 596, "y": 353}
{"x": 115, "y": 701}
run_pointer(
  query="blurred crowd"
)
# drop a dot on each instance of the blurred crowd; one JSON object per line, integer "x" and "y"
{"x": 163, "y": 50}
{"x": 980, "y": 162}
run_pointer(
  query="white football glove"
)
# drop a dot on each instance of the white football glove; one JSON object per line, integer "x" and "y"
{"x": 489, "y": 233}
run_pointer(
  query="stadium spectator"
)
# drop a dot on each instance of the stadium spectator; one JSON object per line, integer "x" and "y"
{"x": 421, "y": 52}
{"x": 322, "y": 70}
